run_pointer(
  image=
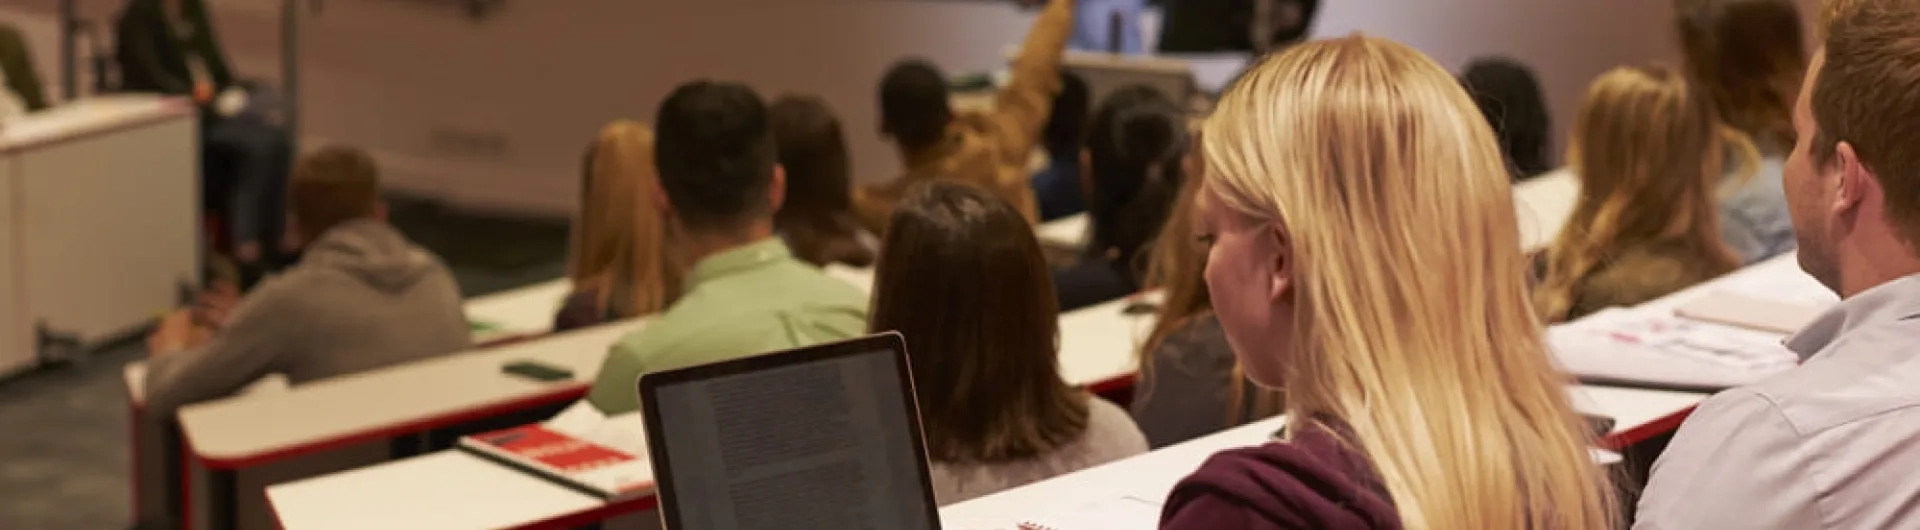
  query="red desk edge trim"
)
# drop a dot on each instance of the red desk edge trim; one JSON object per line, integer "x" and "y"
{"x": 1642, "y": 432}
{"x": 568, "y": 392}
{"x": 170, "y": 108}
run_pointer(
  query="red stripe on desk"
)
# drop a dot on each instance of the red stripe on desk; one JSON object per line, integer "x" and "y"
{"x": 557, "y": 394}
{"x": 1640, "y": 433}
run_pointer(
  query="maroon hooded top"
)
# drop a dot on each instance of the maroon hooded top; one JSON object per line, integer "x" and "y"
{"x": 1312, "y": 482}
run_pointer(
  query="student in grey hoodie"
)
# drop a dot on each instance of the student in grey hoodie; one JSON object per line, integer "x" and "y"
{"x": 362, "y": 297}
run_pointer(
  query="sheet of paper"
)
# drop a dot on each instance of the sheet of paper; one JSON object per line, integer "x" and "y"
{"x": 1124, "y": 513}
{"x": 1657, "y": 349}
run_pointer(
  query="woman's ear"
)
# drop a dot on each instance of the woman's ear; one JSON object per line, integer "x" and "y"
{"x": 1280, "y": 284}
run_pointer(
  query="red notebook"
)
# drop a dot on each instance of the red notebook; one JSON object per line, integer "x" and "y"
{"x": 579, "y": 464}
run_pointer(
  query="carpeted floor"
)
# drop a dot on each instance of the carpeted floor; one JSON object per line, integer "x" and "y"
{"x": 64, "y": 460}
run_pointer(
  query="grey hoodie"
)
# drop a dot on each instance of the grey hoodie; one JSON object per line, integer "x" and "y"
{"x": 363, "y": 297}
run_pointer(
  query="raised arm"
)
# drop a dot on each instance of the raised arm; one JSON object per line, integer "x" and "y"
{"x": 1021, "y": 109}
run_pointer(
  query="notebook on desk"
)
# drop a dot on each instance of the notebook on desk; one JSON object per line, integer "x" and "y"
{"x": 820, "y": 437}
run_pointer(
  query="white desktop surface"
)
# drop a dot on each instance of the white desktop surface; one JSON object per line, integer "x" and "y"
{"x": 525, "y": 310}
{"x": 465, "y": 491}
{"x": 1099, "y": 343}
{"x": 1068, "y": 232}
{"x": 238, "y": 429}
{"x": 1542, "y": 206}
{"x": 1631, "y": 407}
{"x": 85, "y": 116}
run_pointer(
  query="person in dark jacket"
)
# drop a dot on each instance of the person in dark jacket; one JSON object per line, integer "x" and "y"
{"x": 1133, "y": 155}
{"x": 171, "y": 47}
{"x": 1509, "y": 95}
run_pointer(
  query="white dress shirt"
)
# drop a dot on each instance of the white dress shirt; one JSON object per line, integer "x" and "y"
{"x": 1831, "y": 444}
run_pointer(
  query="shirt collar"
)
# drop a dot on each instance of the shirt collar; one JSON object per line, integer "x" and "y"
{"x": 737, "y": 260}
{"x": 1891, "y": 301}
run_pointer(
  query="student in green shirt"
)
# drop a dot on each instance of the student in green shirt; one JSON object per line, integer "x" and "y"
{"x": 746, "y": 294}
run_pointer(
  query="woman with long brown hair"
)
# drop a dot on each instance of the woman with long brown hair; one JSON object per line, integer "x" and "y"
{"x": 1748, "y": 59}
{"x": 1648, "y": 147}
{"x": 1365, "y": 258}
{"x": 962, "y": 277}
{"x": 1190, "y": 384}
{"x": 622, "y": 264}
{"x": 817, "y": 218}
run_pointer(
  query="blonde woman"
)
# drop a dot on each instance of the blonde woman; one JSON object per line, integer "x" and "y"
{"x": 622, "y": 264}
{"x": 1190, "y": 383}
{"x": 1648, "y": 147}
{"x": 1365, "y": 259}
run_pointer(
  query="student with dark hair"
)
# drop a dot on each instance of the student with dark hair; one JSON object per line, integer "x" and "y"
{"x": 817, "y": 219}
{"x": 987, "y": 149}
{"x": 1748, "y": 58}
{"x": 1133, "y": 174}
{"x": 1058, "y": 187}
{"x": 1509, "y": 95}
{"x": 746, "y": 293}
{"x": 986, "y": 369}
{"x": 363, "y": 297}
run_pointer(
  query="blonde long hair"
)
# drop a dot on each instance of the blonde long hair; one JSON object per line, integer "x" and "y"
{"x": 1176, "y": 266}
{"x": 621, "y": 240}
{"x": 1649, "y": 150}
{"x": 1412, "y": 327}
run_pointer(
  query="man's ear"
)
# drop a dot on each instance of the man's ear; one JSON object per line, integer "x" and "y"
{"x": 380, "y": 211}
{"x": 777, "y": 189}
{"x": 1280, "y": 285}
{"x": 1854, "y": 181}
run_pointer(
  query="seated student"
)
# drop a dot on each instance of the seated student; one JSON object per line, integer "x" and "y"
{"x": 1509, "y": 95}
{"x": 1190, "y": 383}
{"x": 1058, "y": 186}
{"x": 362, "y": 297}
{"x": 1648, "y": 149}
{"x": 622, "y": 264}
{"x": 746, "y": 293}
{"x": 19, "y": 81}
{"x": 986, "y": 366}
{"x": 817, "y": 219}
{"x": 991, "y": 149}
{"x": 1357, "y": 211}
{"x": 1133, "y": 173}
{"x": 1829, "y": 444}
{"x": 1748, "y": 58}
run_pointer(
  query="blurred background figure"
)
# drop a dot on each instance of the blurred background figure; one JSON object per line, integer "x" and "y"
{"x": 1509, "y": 94}
{"x": 1259, "y": 26}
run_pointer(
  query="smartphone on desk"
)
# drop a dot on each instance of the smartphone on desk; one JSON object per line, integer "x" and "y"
{"x": 537, "y": 371}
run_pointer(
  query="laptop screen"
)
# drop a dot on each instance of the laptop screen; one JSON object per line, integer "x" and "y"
{"x": 830, "y": 442}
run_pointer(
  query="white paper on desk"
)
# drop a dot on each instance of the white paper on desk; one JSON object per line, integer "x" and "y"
{"x": 1123, "y": 513}
{"x": 625, "y": 432}
{"x": 1781, "y": 281}
{"x": 1650, "y": 348}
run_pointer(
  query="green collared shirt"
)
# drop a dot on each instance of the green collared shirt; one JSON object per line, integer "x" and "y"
{"x": 749, "y": 300}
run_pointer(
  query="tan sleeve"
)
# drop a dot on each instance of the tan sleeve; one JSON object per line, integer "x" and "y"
{"x": 873, "y": 206}
{"x": 1020, "y": 110}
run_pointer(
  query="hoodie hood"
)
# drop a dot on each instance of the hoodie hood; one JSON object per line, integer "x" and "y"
{"x": 372, "y": 252}
{"x": 1312, "y": 481}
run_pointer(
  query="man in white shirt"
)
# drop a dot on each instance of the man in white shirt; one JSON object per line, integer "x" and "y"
{"x": 1834, "y": 443}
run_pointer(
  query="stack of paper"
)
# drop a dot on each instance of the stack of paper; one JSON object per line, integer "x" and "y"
{"x": 1659, "y": 349}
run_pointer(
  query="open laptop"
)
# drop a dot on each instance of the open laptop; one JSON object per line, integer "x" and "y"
{"x": 826, "y": 436}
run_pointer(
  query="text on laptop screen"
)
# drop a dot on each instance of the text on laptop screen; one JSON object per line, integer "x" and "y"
{"x": 825, "y": 444}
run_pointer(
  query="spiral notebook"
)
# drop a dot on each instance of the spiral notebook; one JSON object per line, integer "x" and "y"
{"x": 1124, "y": 513}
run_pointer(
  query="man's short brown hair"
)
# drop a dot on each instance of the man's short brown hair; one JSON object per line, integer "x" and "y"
{"x": 1868, "y": 95}
{"x": 332, "y": 186}
{"x": 1830, "y": 11}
